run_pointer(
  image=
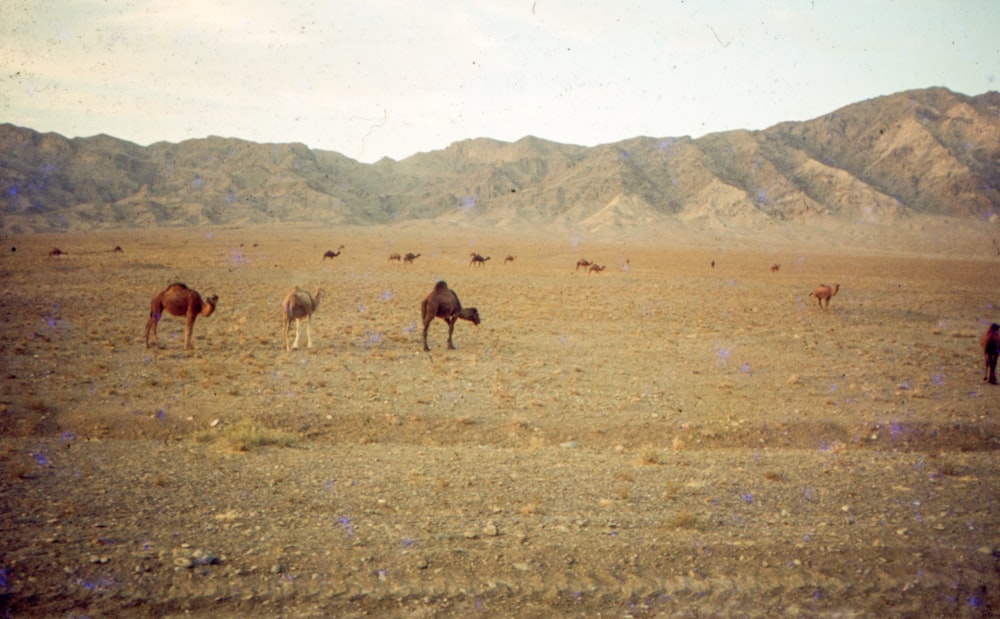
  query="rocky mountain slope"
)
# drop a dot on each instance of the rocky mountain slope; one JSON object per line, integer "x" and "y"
{"x": 927, "y": 151}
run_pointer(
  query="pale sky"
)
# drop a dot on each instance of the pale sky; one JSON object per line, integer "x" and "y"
{"x": 374, "y": 78}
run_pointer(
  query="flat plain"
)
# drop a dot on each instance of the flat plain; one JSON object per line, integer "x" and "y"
{"x": 686, "y": 433}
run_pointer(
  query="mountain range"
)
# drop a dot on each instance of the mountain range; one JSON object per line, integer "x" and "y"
{"x": 929, "y": 151}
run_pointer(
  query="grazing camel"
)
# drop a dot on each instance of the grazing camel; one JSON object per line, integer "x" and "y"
{"x": 179, "y": 300}
{"x": 595, "y": 268}
{"x": 775, "y": 267}
{"x": 443, "y": 303}
{"x": 410, "y": 257}
{"x": 332, "y": 254}
{"x": 118, "y": 250}
{"x": 991, "y": 349}
{"x": 55, "y": 252}
{"x": 509, "y": 258}
{"x": 299, "y": 305}
{"x": 583, "y": 263}
{"x": 395, "y": 256}
{"x": 478, "y": 260}
{"x": 824, "y": 293}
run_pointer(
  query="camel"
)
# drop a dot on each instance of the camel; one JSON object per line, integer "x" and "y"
{"x": 332, "y": 254}
{"x": 395, "y": 256}
{"x": 824, "y": 293}
{"x": 410, "y": 257}
{"x": 595, "y": 268}
{"x": 583, "y": 263}
{"x": 179, "y": 300}
{"x": 55, "y": 252}
{"x": 509, "y": 258}
{"x": 298, "y": 305}
{"x": 775, "y": 267}
{"x": 478, "y": 260}
{"x": 991, "y": 349}
{"x": 443, "y": 303}
{"x": 118, "y": 250}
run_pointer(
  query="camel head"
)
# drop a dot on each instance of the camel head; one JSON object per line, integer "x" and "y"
{"x": 469, "y": 313}
{"x": 316, "y": 297}
{"x": 209, "y": 306}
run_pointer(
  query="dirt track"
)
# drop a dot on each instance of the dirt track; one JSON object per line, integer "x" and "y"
{"x": 663, "y": 439}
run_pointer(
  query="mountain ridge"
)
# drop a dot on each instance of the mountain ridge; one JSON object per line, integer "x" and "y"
{"x": 929, "y": 151}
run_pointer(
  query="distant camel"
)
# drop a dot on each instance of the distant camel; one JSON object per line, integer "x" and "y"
{"x": 713, "y": 264}
{"x": 583, "y": 263}
{"x": 179, "y": 300}
{"x": 332, "y": 254}
{"x": 991, "y": 349}
{"x": 775, "y": 267}
{"x": 299, "y": 305}
{"x": 509, "y": 258}
{"x": 118, "y": 249}
{"x": 410, "y": 257}
{"x": 395, "y": 256}
{"x": 55, "y": 252}
{"x": 478, "y": 260}
{"x": 824, "y": 293}
{"x": 595, "y": 268}
{"x": 443, "y": 303}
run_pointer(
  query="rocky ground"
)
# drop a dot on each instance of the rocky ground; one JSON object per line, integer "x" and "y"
{"x": 666, "y": 438}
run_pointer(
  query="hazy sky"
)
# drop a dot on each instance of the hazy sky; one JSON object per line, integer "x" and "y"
{"x": 374, "y": 78}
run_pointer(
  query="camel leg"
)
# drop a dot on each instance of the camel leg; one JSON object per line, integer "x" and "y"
{"x": 286, "y": 326}
{"x": 309, "y": 338}
{"x": 426, "y": 326}
{"x": 991, "y": 369}
{"x": 151, "y": 328}
{"x": 295, "y": 344}
{"x": 188, "y": 328}
{"x": 451, "y": 329}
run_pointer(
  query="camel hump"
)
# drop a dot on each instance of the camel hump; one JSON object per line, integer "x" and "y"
{"x": 441, "y": 285}
{"x": 178, "y": 285}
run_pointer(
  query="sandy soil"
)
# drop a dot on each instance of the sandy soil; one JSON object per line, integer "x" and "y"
{"x": 663, "y": 439}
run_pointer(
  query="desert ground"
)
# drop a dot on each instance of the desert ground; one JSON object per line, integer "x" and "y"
{"x": 666, "y": 438}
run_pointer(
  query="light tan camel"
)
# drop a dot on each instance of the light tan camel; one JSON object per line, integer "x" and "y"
{"x": 991, "y": 349}
{"x": 583, "y": 263}
{"x": 299, "y": 305}
{"x": 443, "y": 303}
{"x": 179, "y": 300}
{"x": 824, "y": 293}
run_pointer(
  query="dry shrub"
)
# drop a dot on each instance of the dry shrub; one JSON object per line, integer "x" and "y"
{"x": 248, "y": 436}
{"x": 683, "y": 519}
{"x": 648, "y": 456}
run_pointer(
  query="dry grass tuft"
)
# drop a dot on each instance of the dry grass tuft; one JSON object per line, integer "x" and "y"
{"x": 683, "y": 519}
{"x": 248, "y": 436}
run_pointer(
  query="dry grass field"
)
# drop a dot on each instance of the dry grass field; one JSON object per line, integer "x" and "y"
{"x": 666, "y": 438}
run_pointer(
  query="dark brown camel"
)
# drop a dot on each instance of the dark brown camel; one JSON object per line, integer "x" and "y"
{"x": 824, "y": 293}
{"x": 775, "y": 267}
{"x": 179, "y": 300}
{"x": 595, "y": 268}
{"x": 332, "y": 254}
{"x": 410, "y": 257}
{"x": 55, "y": 252}
{"x": 583, "y": 263}
{"x": 395, "y": 256}
{"x": 443, "y": 303}
{"x": 478, "y": 260}
{"x": 991, "y": 349}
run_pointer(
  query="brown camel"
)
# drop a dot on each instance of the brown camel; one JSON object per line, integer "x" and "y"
{"x": 395, "y": 256}
{"x": 118, "y": 250}
{"x": 583, "y": 263}
{"x": 991, "y": 349}
{"x": 443, "y": 303}
{"x": 332, "y": 254}
{"x": 775, "y": 267}
{"x": 179, "y": 300}
{"x": 410, "y": 257}
{"x": 509, "y": 258}
{"x": 824, "y": 293}
{"x": 478, "y": 260}
{"x": 595, "y": 268}
{"x": 55, "y": 252}
{"x": 299, "y": 305}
